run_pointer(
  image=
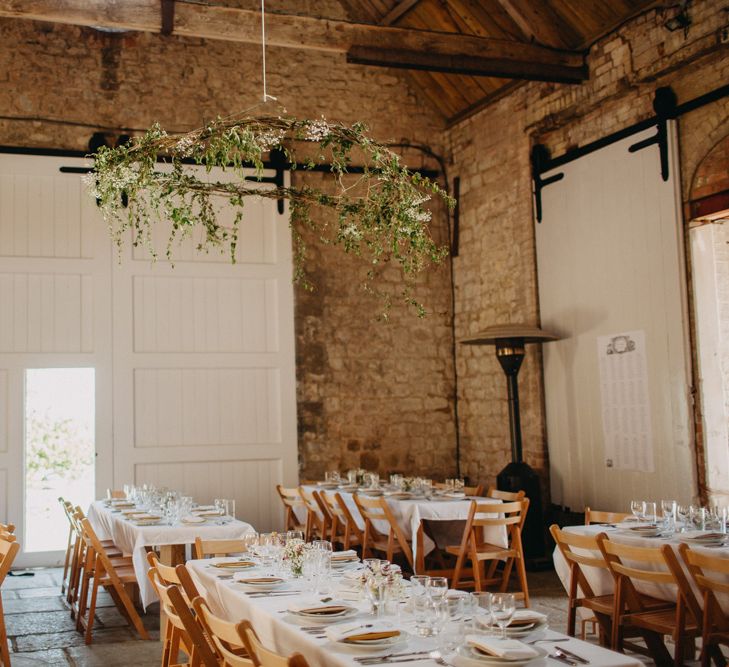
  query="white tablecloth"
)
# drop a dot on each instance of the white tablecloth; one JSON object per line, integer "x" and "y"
{"x": 601, "y": 581}
{"x": 282, "y": 633}
{"x": 411, "y": 513}
{"x": 133, "y": 540}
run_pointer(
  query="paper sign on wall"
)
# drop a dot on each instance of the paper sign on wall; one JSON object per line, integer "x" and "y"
{"x": 626, "y": 410}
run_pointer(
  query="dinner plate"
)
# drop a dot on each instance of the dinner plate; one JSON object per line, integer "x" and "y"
{"x": 374, "y": 644}
{"x": 266, "y": 583}
{"x": 373, "y": 492}
{"x": 193, "y": 519}
{"x": 526, "y": 630}
{"x": 349, "y": 488}
{"x": 327, "y": 485}
{"x": 473, "y": 656}
{"x": 234, "y": 566}
{"x": 348, "y": 612}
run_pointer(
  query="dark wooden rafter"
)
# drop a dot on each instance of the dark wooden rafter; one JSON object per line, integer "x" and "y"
{"x": 466, "y": 64}
{"x": 168, "y": 17}
{"x": 439, "y": 50}
{"x": 537, "y": 21}
{"x": 399, "y": 10}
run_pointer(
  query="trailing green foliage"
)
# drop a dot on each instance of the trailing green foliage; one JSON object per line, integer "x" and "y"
{"x": 378, "y": 215}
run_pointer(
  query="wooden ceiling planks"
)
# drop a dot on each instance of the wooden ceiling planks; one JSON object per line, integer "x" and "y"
{"x": 564, "y": 24}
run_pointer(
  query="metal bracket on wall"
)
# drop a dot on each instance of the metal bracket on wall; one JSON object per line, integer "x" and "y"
{"x": 665, "y": 106}
{"x": 540, "y": 159}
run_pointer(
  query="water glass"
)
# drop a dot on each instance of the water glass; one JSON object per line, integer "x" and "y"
{"x": 451, "y": 625}
{"x": 436, "y": 587}
{"x": 331, "y": 476}
{"x": 668, "y": 510}
{"x": 503, "y": 607}
{"x": 481, "y": 611}
{"x": 649, "y": 511}
{"x": 294, "y": 535}
{"x": 352, "y": 476}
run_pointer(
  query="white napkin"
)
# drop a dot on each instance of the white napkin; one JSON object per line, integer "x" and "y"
{"x": 509, "y": 649}
{"x": 344, "y": 555}
{"x": 296, "y": 607}
{"x": 339, "y": 632}
{"x": 528, "y": 616}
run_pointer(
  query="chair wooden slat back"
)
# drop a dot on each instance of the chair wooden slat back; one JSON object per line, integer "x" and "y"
{"x": 115, "y": 494}
{"x": 8, "y": 552}
{"x": 184, "y": 630}
{"x": 7, "y": 527}
{"x": 600, "y": 516}
{"x": 218, "y": 548}
{"x": 473, "y": 547}
{"x": 263, "y": 657}
{"x": 291, "y": 500}
{"x": 341, "y": 518}
{"x": 171, "y": 574}
{"x": 505, "y": 496}
{"x": 227, "y": 637}
{"x": 377, "y": 510}
{"x": 711, "y": 574}
{"x": 317, "y": 523}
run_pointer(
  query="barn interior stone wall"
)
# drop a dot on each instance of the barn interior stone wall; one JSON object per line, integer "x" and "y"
{"x": 370, "y": 394}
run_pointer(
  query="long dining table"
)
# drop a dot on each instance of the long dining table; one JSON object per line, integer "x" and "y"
{"x": 601, "y": 581}
{"x": 284, "y": 633}
{"x": 444, "y": 517}
{"x": 172, "y": 540}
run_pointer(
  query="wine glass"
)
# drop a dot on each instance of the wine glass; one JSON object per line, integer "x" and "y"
{"x": 503, "y": 607}
{"x": 294, "y": 535}
{"x": 436, "y": 587}
{"x": 637, "y": 507}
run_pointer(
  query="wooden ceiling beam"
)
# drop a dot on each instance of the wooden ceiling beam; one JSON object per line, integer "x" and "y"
{"x": 471, "y": 65}
{"x": 284, "y": 30}
{"x": 536, "y": 21}
{"x": 401, "y": 8}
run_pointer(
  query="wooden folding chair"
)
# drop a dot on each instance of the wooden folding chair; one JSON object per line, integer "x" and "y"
{"x": 711, "y": 575}
{"x": 174, "y": 574}
{"x": 115, "y": 494}
{"x": 228, "y": 638}
{"x": 505, "y": 496}
{"x": 182, "y": 629}
{"x": 218, "y": 548}
{"x": 508, "y": 515}
{"x": 468, "y": 490}
{"x": 376, "y": 510}
{"x": 263, "y": 657}
{"x": 599, "y": 516}
{"x": 8, "y": 552}
{"x": 67, "y": 509}
{"x": 104, "y": 573}
{"x": 291, "y": 500}
{"x": 317, "y": 520}
{"x": 7, "y": 528}
{"x": 343, "y": 528}
{"x": 651, "y": 565}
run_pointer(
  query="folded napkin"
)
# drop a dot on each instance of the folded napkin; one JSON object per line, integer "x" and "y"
{"x": 260, "y": 580}
{"x": 361, "y": 632}
{"x": 350, "y": 554}
{"x": 235, "y": 563}
{"x": 193, "y": 519}
{"x": 709, "y": 537}
{"x": 207, "y": 512}
{"x": 202, "y": 508}
{"x": 509, "y": 649}
{"x": 312, "y": 607}
{"x": 524, "y": 617}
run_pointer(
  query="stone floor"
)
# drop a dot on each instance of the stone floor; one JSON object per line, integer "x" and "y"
{"x": 41, "y": 631}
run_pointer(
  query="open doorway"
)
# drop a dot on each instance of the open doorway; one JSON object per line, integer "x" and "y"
{"x": 709, "y": 240}
{"x": 59, "y": 451}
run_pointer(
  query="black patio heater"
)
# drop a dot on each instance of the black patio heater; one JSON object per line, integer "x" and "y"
{"x": 510, "y": 340}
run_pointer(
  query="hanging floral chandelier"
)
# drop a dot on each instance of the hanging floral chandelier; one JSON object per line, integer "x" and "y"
{"x": 378, "y": 214}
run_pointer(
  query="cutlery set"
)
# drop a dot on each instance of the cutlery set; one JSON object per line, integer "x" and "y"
{"x": 563, "y": 655}
{"x": 392, "y": 657}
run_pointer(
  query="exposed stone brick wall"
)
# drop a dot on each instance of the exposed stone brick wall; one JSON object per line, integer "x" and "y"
{"x": 377, "y": 395}
{"x": 495, "y": 272}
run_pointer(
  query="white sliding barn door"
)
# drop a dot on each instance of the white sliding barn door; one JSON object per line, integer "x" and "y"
{"x": 55, "y": 312}
{"x": 204, "y": 382}
{"x": 610, "y": 261}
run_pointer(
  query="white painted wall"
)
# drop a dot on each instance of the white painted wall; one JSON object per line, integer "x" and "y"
{"x": 195, "y": 367}
{"x": 610, "y": 259}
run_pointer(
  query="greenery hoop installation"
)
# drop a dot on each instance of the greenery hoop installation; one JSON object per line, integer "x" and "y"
{"x": 379, "y": 214}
